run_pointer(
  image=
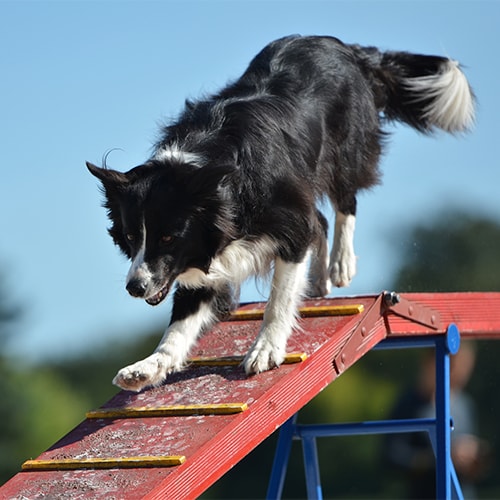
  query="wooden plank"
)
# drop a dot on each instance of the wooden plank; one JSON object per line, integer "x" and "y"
{"x": 103, "y": 463}
{"x": 305, "y": 312}
{"x": 476, "y": 314}
{"x": 291, "y": 358}
{"x": 211, "y": 444}
{"x": 168, "y": 411}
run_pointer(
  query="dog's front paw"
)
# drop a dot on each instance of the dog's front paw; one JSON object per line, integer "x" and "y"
{"x": 342, "y": 269}
{"x": 151, "y": 371}
{"x": 264, "y": 355}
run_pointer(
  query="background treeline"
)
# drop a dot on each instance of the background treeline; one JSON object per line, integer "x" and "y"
{"x": 457, "y": 252}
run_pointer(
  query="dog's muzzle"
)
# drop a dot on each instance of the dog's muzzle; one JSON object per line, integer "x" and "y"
{"x": 158, "y": 297}
{"x": 138, "y": 288}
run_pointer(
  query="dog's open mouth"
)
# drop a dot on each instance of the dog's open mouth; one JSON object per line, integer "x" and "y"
{"x": 158, "y": 297}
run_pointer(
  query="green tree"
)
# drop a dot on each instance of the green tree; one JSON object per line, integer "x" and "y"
{"x": 37, "y": 405}
{"x": 11, "y": 428}
{"x": 459, "y": 252}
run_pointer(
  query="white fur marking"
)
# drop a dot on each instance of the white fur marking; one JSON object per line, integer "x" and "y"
{"x": 237, "y": 262}
{"x": 280, "y": 317}
{"x": 174, "y": 154}
{"x": 342, "y": 259}
{"x": 139, "y": 269}
{"x": 169, "y": 356}
{"x": 452, "y": 107}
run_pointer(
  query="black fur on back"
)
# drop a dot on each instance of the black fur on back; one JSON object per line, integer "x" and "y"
{"x": 303, "y": 122}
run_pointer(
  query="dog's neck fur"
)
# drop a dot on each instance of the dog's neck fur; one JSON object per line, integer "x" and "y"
{"x": 174, "y": 154}
{"x": 239, "y": 260}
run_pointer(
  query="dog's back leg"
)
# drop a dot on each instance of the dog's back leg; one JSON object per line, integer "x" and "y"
{"x": 319, "y": 283}
{"x": 194, "y": 311}
{"x": 280, "y": 317}
{"x": 342, "y": 258}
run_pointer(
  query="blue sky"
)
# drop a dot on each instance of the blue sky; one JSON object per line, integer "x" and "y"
{"x": 81, "y": 78}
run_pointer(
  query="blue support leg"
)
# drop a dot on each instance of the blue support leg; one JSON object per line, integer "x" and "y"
{"x": 280, "y": 464}
{"x": 446, "y": 345}
{"x": 311, "y": 464}
{"x": 439, "y": 429}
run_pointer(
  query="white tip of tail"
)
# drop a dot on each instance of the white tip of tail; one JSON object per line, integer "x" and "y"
{"x": 451, "y": 106}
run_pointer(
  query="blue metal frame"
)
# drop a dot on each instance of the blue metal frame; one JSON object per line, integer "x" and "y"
{"x": 439, "y": 428}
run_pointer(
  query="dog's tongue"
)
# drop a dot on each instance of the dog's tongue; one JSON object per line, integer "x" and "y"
{"x": 157, "y": 298}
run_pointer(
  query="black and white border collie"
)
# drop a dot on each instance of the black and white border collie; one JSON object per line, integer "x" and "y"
{"x": 231, "y": 189}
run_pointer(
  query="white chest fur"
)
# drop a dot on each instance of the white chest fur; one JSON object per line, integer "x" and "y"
{"x": 240, "y": 260}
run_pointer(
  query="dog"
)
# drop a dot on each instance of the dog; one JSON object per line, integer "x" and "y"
{"x": 232, "y": 186}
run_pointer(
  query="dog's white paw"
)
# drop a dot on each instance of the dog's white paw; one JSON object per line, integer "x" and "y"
{"x": 151, "y": 371}
{"x": 342, "y": 269}
{"x": 263, "y": 355}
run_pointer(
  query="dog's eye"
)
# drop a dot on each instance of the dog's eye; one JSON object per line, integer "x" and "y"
{"x": 130, "y": 237}
{"x": 167, "y": 239}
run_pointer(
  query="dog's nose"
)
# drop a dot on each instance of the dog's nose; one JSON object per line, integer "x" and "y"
{"x": 136, "y": 287}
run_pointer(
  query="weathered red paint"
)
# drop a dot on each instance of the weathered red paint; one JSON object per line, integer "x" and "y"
{"x": 213, "y": 444}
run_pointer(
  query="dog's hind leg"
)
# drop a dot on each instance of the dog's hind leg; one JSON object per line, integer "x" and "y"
{"x": 319, "y": 283}
{"x": 343, "y": 259}
{"x": 194, "y": 311}
{"x": 280, "y": 317}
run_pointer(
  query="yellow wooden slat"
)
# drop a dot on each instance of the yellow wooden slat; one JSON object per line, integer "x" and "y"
{"x": 104, "y": 463}
{"x": 169, "y": 411}
{"x": 343, "y": 310}
{"x": 293, "y": 357}
{"x": 305, "y": 312}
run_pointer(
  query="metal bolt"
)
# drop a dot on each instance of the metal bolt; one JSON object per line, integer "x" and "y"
{"x": 392, "y": 298}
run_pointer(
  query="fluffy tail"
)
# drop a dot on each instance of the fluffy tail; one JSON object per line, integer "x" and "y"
{"x": 427, "y": 92}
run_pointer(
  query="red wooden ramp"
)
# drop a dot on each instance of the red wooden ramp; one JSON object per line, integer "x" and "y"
{"x": 176, "y": 440}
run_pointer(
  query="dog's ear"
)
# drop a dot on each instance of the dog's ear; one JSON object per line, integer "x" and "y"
{"x": 107, "y": 176}
{"x": 205, "y": 181}
{"x": 113, "y": 183}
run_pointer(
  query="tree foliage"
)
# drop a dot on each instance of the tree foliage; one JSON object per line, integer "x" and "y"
{"x": 459, "y": 252}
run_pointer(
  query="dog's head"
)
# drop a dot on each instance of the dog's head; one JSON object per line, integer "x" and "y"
{"x": 167, "y": 218}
